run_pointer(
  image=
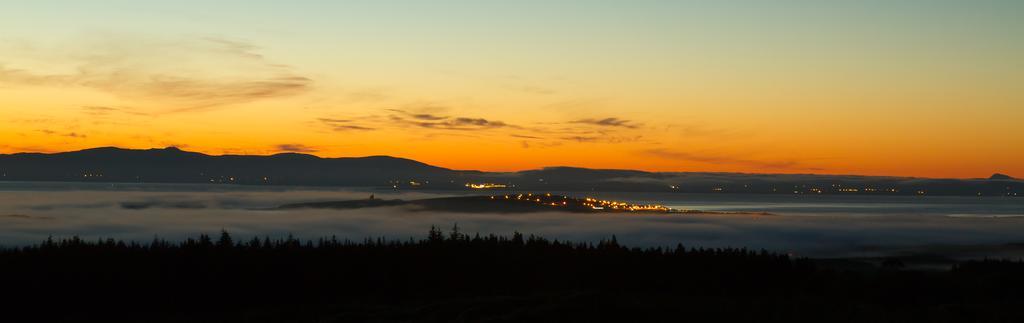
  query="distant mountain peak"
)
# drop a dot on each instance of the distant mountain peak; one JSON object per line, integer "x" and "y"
{"x": 106, "y": 148}
{"x": 294, "y": 156}
{"x": 1000, "y": 176}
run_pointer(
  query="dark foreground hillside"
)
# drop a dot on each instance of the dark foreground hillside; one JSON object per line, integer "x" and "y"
{"x": 452, "y": 277}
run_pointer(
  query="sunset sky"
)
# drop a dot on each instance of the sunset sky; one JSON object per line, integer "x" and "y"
{"x": 906, "y": 88}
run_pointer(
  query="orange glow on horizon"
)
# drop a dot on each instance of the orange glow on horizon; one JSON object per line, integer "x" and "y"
{"x": 673, "y": 86}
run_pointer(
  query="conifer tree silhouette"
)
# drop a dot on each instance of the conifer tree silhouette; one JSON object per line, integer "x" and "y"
{"x": 225, "y": 240}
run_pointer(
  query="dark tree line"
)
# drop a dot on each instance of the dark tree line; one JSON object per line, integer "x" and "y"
{"x": 456, "y": 277}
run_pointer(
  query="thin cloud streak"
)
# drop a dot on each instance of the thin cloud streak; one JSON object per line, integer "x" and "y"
{"x": 608, "y": 122}
{"x": 64, "y": 134}
{"x": 171, "y": 72}
{"x": 419, "y": 116}
{"x": 342, "y": 124}
{"x": 295, "y": 148}
{"x": 441, "y": 122}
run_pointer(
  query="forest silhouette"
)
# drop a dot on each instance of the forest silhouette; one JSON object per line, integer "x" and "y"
{"x": 457, "y": 277}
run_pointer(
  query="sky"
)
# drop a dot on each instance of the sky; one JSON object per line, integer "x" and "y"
{"x": 907, "y": 88}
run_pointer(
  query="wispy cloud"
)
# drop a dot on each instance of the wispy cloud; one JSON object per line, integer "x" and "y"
{"x": 419, "y": 116}
{"x": 444, "y": 122}
{"x": 295, "y": 148}
{"x": 203, "y": 94}
{"x": 463, "y": 123}
{"x": 435, "y": 122}
{"x": 63, "y": 134}
{"x": 342, "y": 124}
{"x": 581, "y": 138}
{"x": 525, "y": 136}
{"x": 603, "y": 139}
{"x": 98, "y": 110}
{"x": 186, "y": 74}
{"x": 609, "y": 122}
{"x": 95, "y": 110}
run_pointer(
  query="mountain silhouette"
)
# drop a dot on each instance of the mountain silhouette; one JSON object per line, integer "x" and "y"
{"x": 173, "y": 165}
{"x": 1000, "y": 176}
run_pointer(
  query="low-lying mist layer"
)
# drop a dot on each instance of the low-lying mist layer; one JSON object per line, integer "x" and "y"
{"x": 28, "y": 217}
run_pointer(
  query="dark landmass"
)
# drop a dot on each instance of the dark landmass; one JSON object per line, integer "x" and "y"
{"x": 508, "y": 203}
{"x": 172, "y": 165}
{"x": 1001, "y": 176}
{"x": 454, "y": 277}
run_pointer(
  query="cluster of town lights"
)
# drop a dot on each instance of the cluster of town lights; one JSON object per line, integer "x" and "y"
{"x": 615, "y": 205}
{"x": 485, "y": 185}
{"x": 591, "y": 203}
